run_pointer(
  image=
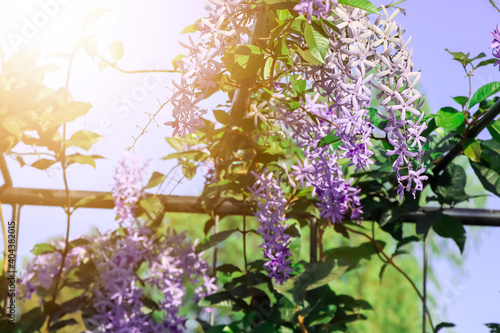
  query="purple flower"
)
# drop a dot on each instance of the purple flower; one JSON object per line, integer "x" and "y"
{"x": 495, "y": 45}
{"x": 271, "y": 202}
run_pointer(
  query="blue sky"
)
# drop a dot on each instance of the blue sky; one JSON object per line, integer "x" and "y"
{"x": 469, "y": 296}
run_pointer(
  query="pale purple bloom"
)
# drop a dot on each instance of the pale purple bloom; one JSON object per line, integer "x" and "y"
{"x": 495, "y": 45}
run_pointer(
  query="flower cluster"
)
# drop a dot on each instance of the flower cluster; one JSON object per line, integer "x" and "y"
{"x": 44, "y": 269}
{"x": 203, "y": 63}
{"x": 127, "y": 189}
{"x": 495, "y": 45}
{"x": 134, "y": 265}
{"x": 320, "y": 168}
{"x": 363, "y": 56}
{"x": 271, "y": 202}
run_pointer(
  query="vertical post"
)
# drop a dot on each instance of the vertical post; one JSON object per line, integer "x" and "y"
{"x": 313, "y": 239}
{"x": 424, "y": 312}
{"x": 214, "y": 264}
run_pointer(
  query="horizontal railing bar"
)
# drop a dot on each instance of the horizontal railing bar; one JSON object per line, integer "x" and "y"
{"x": 189, "y": 204}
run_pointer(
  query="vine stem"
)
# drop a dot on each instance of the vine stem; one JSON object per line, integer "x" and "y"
{"x": 67, "y": 209}
{"x": 388, "y": 260}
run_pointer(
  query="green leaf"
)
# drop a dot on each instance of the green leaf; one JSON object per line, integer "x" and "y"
{"x": 363, "y": 4}
{"x": 443, "y": 325}
{"x": 473, "y": 151}
{"x": 117, "y": 50}
{"x": 152, "y": 206}
{"x": 484, "y": 92}
{"x": 83, "y": 159}
{"x": 317, "y": 42}
{"x": 494, "y": 129}
{"x": 62, "y": 323}
{"x": 93, "y": 198}
{"x": 83, "y": 139}
{"x": 222, "y": 117}
{"x": 426, "y": 222}
{"x": 462, "y": 100}
{"x": 460, "y": 57}
{"x": 488, "y": 177}
{"x": 214, "y": 240}
{"x": 244, "y": 61}
{"x": 375, "y": 118}
{"x": 66, "y": 113}
{"x": 449, "y": 227}
{"x": 156, "y": 179}
{"x": 176, "y": 143}
{"x": 43, "y": 248}
{"x": 449, "y": 118}
{"x": 314, "y": 275}
{"x": 43, "y": 164}
{"x": 486, "y": 62}
{"x": 78, "y": 242}
{"x": 330, "y": 139}
{"x": 450, "y": 185}
{"x": 192, "y": 28}
{"x": 177, "y": 60}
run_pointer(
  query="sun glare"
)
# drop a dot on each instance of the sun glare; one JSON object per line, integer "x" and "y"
{"x": 53, "y": 25}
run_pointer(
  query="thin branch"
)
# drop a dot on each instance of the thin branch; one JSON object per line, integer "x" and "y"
{"x": 144, "y": 129}
{"x": 139, "y": 71}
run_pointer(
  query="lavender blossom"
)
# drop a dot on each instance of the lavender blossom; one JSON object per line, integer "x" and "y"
{"x": 495, "y": 45}
{"x": 271, "y": 203}
{"x": 317, "y": 8}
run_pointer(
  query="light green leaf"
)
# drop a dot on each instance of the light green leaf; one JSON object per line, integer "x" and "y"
{"x": 473, "y": 151}
{"x": 363, "y": 4}
{"x": 449, "y": 118}
{"x": 43, "y": 164}
{"x": 43, "y": 248}
{"x": 117, "y": 50}
{"x": 83, "y": 159}
{"x": 156, "y": 179}
{"x": 484, "y": 92}
{"x": 83, "y": 139}
{"x": 317, "y": 42}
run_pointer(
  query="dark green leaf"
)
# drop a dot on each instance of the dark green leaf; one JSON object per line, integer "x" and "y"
{"x": 442, "y": 325}
{"x": 494, "y": 129}
{"x": 214, "y": 240}
{"x": 449, "y": 227}
{"x": 62, "y": 323}
{"x": 488, "y": 177}
{"x": 487, "y": 62}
